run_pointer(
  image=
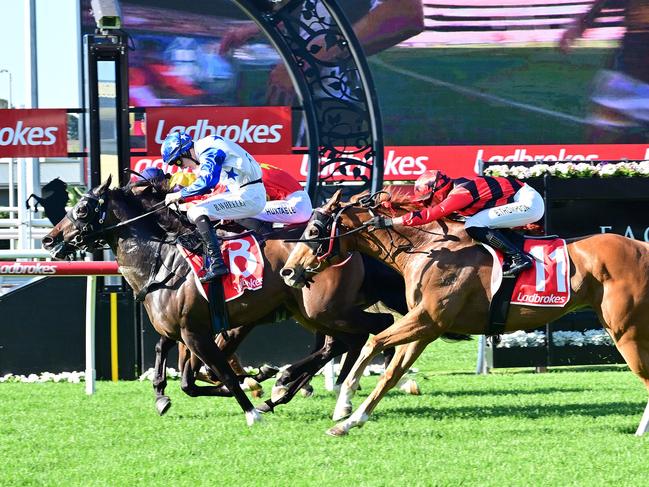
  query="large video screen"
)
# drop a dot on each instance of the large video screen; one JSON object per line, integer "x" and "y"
{"x": 455, "y": 73}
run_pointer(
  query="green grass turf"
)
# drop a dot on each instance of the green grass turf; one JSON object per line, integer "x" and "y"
{"x": 416, "y": 112}
{"x": 513, "y": 427}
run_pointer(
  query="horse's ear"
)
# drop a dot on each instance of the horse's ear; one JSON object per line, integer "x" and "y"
{"x": 105, "y": 185}
{"x": 334, "y": 201}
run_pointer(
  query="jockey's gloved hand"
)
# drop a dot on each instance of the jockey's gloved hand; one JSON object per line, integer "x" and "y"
{"x": 379, "y": 222}
{"x": 172, "y": 198}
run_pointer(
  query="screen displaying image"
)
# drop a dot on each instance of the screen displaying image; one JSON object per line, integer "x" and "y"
{"x": 472, "y": 73}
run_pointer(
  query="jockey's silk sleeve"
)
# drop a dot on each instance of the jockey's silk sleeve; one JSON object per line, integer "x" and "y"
{"x": 457, "y": 199}
{"x": 209, "y": 173}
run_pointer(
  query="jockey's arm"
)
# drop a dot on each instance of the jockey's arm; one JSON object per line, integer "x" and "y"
{"x": 455, "y": 201}
{"x": 388, "y": 24}
{"x": 209, "y": 173}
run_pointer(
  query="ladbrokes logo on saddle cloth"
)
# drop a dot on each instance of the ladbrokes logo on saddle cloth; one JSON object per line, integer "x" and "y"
{"x": 547, "y": 282}
{"x": 244, "y": 260}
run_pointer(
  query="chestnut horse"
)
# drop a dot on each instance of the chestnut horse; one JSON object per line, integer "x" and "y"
{"x": 448, "y": 288}
{"x": 177, "y": 310}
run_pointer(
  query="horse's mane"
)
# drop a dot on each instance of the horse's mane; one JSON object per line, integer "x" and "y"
{"x": 396, "y": 201}
{"x": 393, "y": 201}
{"x": 148, "y": 195}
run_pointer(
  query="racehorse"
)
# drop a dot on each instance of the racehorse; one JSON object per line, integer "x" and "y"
{"x": 448, "y": 288}
{"x": 180, "y": 313}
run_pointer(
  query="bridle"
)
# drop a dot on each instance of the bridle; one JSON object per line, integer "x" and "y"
{"x": 88, "y": 217}
{"x": 325, "y": 244}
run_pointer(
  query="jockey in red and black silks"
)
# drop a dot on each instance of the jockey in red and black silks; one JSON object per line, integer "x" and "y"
{"x": 287, "y": 202}
{"x": 488, "y": 203}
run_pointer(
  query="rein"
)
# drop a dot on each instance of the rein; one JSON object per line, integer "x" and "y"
{"x": 369, "y": 203}
{"x": 155, "y": 208}
{"x": 87, "y": 228}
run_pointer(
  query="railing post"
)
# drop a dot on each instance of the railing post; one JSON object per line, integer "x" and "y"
{"x": 91, "y": 301}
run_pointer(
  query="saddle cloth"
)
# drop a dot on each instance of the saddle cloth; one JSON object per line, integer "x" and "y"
{"x": 245, "y": 261}
{"x": 547, "y": 282}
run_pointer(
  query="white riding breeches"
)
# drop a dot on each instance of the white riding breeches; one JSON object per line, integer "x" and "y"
{"x": 296, "y": 208}
{"x": 528, "y": 206}
{"x": 231, "y": 205}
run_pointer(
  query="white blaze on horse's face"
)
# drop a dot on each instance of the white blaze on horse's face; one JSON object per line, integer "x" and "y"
{"x": 306, "y": 257}
{"x": 302, "y": 260}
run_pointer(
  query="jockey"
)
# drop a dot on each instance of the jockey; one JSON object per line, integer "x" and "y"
{"x": 489, "y": 203}
{"x": 217, "y": 161}
{"x": 152, "y": 174}
{"x": 287, "y": 201}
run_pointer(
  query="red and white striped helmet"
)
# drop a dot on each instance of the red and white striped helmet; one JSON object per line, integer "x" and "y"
{"x": 429, "y": 183}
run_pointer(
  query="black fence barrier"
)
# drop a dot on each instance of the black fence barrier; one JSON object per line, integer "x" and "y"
{"x": 43, "y": 330}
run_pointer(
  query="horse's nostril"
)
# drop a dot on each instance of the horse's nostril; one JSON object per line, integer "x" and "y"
{"x": 47, "y": 242}
{"x": 286, "y": 272}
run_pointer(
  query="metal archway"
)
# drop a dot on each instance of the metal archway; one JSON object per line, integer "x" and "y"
{"x": 342, "y": 123}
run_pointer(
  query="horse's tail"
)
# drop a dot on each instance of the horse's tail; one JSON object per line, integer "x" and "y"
{"x": 384, "y": 284}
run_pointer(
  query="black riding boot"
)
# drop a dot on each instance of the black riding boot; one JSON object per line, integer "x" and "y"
{"x": 213, "y": 246}
{"x": 519, "y": 259}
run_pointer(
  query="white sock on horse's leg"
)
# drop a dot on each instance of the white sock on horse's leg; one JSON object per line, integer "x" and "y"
{"x": 644, "y": 422}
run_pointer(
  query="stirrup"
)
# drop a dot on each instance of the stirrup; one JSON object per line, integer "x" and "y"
{"x": 214, "y": 272}
{"x": 518, "y": 265}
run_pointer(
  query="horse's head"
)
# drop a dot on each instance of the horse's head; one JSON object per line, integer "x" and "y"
{"x": 81, "y": 229}
{"x": 320, "y": 245}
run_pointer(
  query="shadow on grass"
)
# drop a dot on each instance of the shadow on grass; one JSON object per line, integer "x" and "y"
{"x": 532, "y": 411}
{"x": 430, "y": 374}
{"x": 505, "y": 392}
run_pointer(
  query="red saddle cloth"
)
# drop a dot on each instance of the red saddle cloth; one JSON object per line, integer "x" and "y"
{"x": 245, "y": 261}
{"x": 547, "y": 282}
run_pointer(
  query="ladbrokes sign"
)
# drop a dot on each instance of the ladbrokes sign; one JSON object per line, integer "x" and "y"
{"x": 33, "y": 133}
{"x": 259, "y": 130}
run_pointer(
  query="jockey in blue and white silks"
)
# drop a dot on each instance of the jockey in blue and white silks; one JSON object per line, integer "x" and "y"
{"x": 221, "y": 162}
{"x": 226, "y": 163}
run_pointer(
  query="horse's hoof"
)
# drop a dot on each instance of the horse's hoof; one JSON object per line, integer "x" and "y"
{"x": 268, "y": 371}
{"x": 162, "y": 404}
{"x": 278, "y": 392}
{"x": 307, "y": 391}
{"x": 410, "y": 387}
{"x": 264, "y": 408}
{"x": 253, "y": 386}
{"x": 337, "y": 431}
{"x": 342, "y": 413}
{"x": 253, "y": 417}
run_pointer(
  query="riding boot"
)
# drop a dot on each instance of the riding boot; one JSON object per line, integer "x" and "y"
{"x": 519, "y": 260}
{"x": 212, "y": 243}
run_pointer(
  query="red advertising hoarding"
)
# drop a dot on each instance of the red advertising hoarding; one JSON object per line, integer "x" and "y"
{"x": 406, "y": 163}
{"x": 259, "y": 130}
{"x": 33, "y": 133}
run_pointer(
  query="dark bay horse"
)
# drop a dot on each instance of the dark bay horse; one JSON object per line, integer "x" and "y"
{"x": 448, "y": 289}
{"x": 334, "y": 305}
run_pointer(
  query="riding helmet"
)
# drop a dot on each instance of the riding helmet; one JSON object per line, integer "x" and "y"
{"x": 429, "y": 183}
{"x": 175, "y": 145}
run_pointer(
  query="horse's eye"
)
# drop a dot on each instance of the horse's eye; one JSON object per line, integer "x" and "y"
{"x": 313, "y": 232}
{"x": 82, "y": 211}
